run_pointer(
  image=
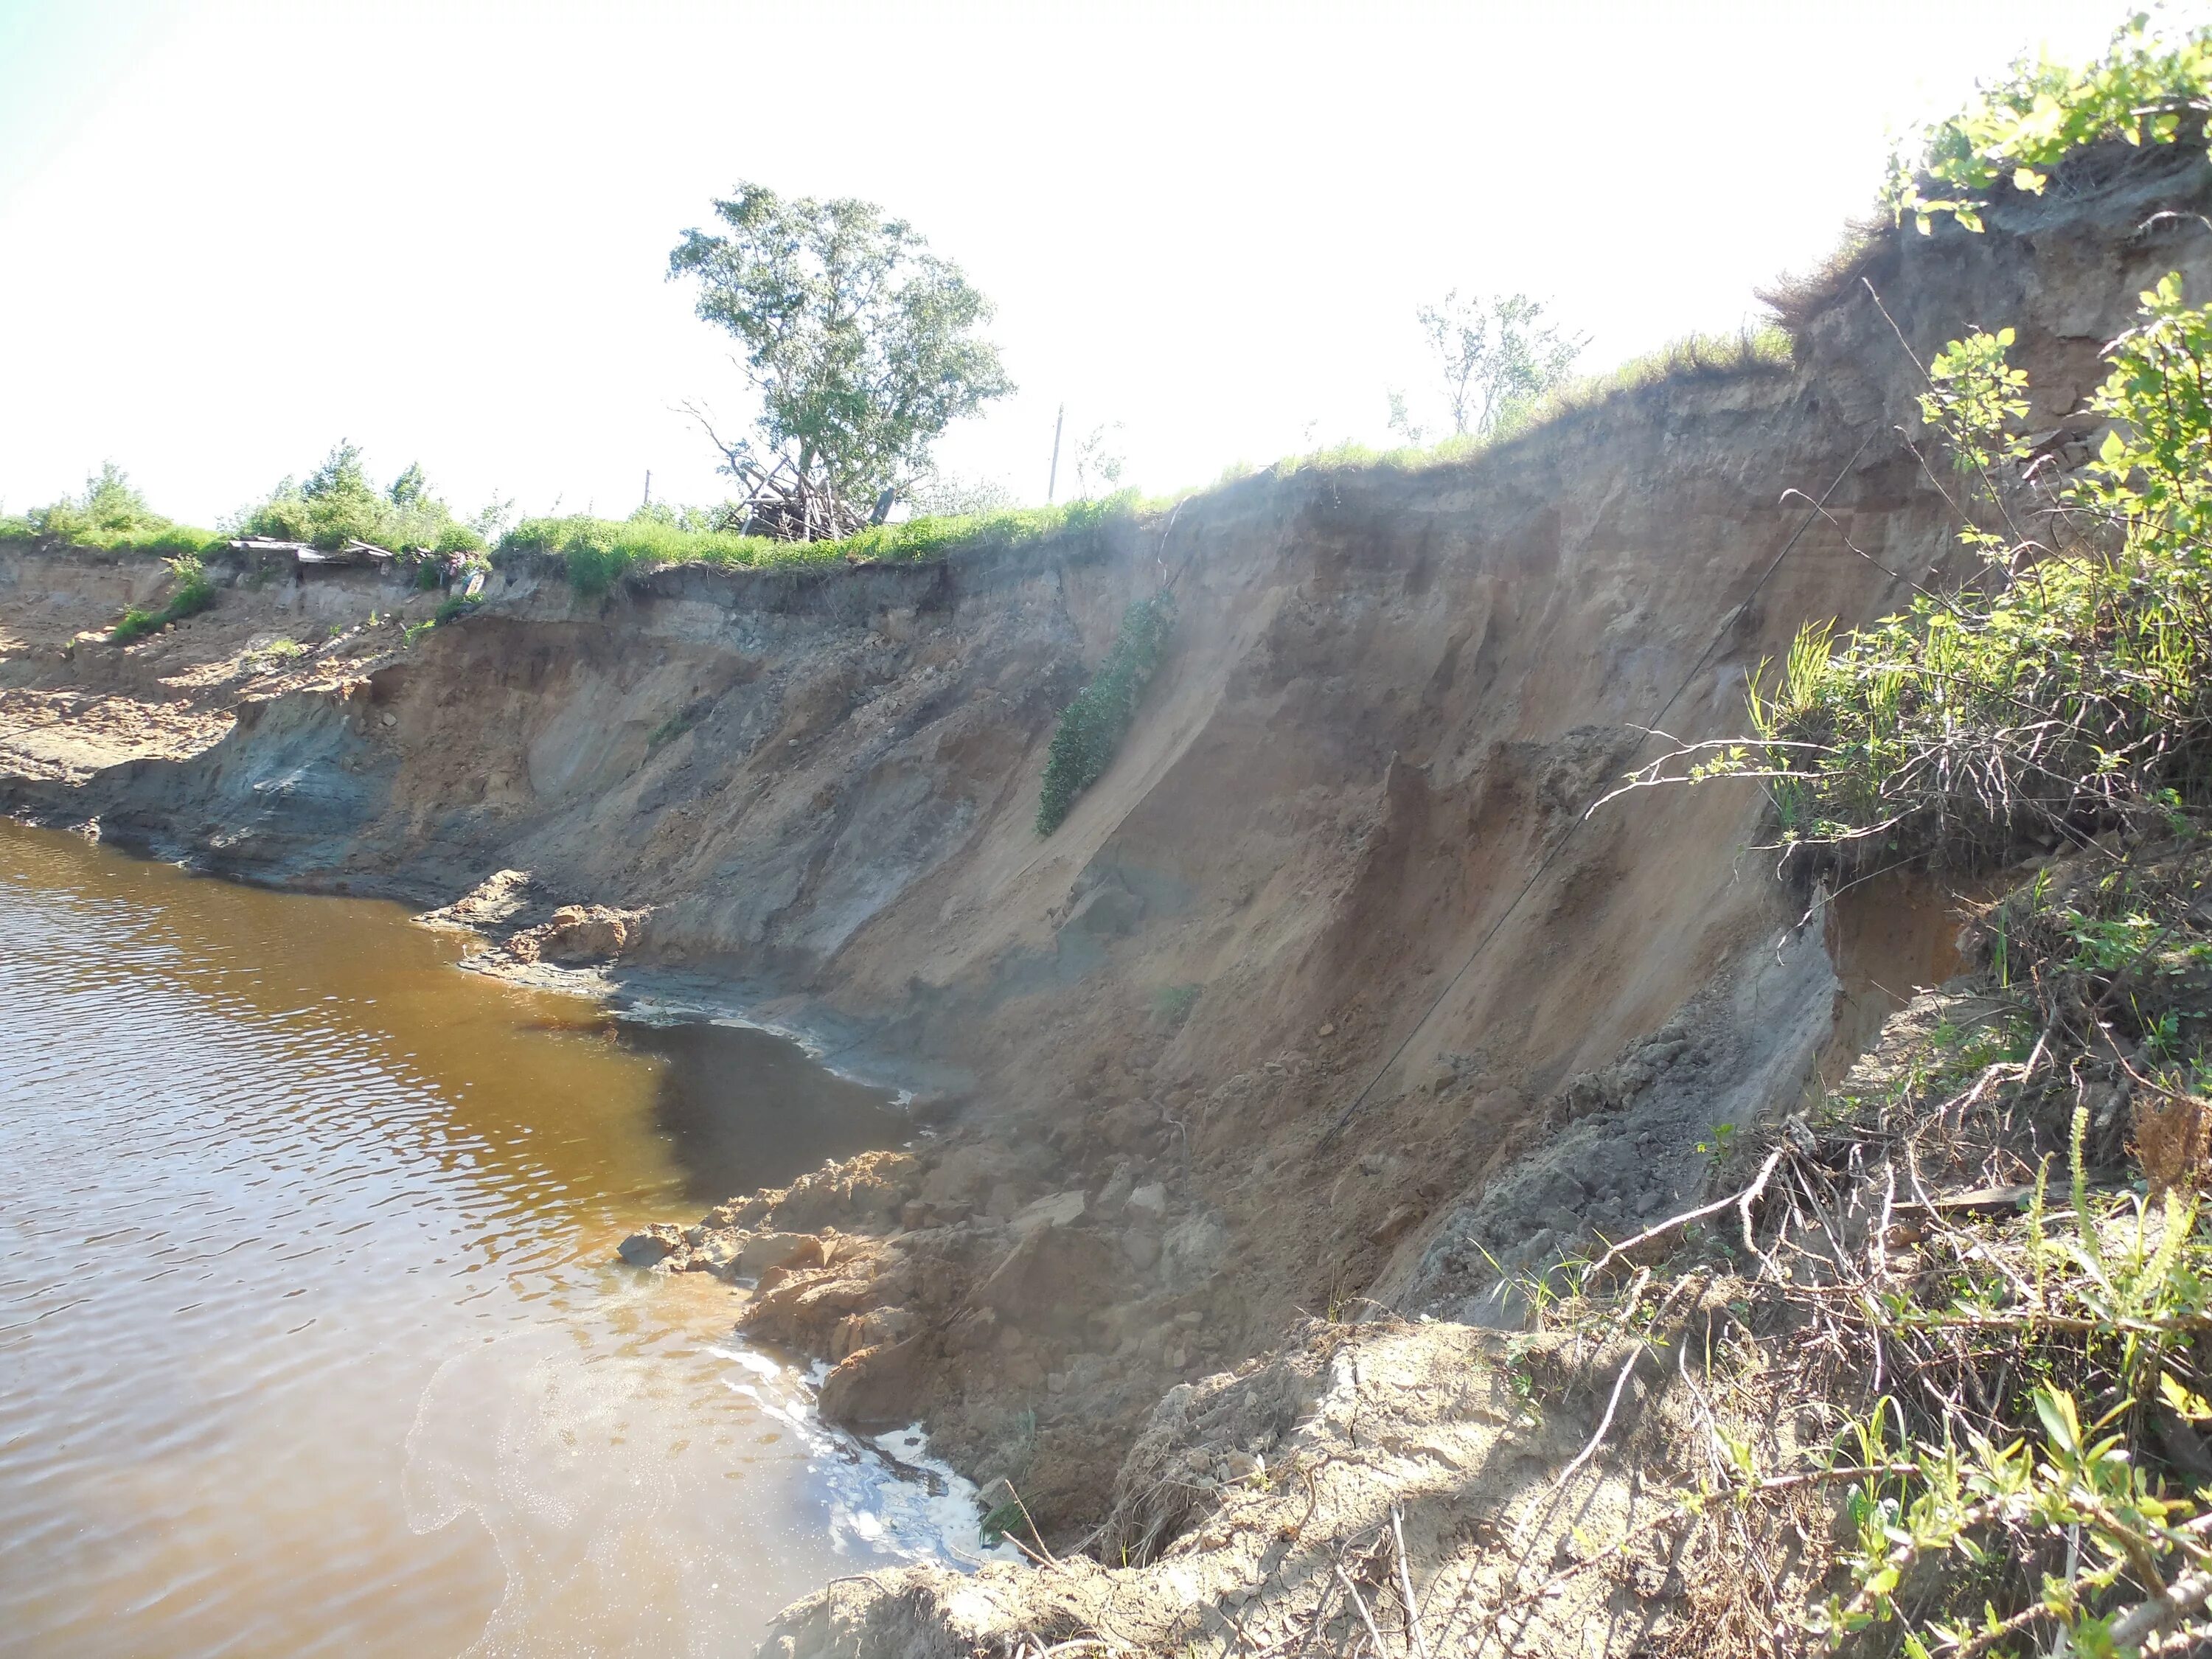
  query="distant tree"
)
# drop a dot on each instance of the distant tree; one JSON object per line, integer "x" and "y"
{"x": 1496, "y": 357}
{"x": 1099, "y": 463}
{"x": 110, "y": 505}
{"x": 339, "y": 503}
{"x": 954, "y": 495}
{"x": 862, "y": 345}
{"x": 410, "y": 487}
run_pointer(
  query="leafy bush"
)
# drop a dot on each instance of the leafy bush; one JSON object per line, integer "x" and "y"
{"x": 2078, "y": 694}
{"x": 2144, "y": 89}
{"x": 598, "y": 551}
{"x": 194, "y": 592}
{"x": 1093, "y": 726}
{"x": 339, "y": 503}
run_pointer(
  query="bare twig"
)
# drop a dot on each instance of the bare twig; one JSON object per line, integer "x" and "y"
{"x": 1405, "y": 1585}
{"x": 1605, "y": 1423}
{"x": 1365, "y": 1617}
{"x": 1744, "y": 1198}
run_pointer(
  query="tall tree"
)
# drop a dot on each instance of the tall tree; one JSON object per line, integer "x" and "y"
{"x": 862, "y": 345}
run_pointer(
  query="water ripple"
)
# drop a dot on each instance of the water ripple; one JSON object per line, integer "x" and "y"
{"x": 303, "y": 1298}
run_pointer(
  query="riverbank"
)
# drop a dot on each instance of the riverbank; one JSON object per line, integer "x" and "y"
{"x": 1320, "y": 1006}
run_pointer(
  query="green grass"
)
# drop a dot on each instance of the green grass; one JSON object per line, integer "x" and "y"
{"x": 598, "y": 551}
{"x": 109, "y": 514}
{"x": 173, "y": 541}
{"x": 165, "y": 541}
{"x": 169, "y": 542}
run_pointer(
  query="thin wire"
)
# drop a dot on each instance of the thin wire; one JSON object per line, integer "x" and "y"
{"x": 1561, "y": 845}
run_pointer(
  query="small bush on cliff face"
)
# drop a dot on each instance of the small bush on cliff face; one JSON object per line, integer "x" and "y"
{"x": 2076, "y": 695}
{"x": 194, "y": 592}
{"x": 1092, "y": 727}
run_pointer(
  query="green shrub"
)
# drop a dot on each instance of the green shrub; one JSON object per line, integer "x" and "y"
{"x": 194, "y": 592}
{"x": 455, "y": 607}
{"x": 1093, "y": 726}
{"x": 671, "y": 728}
{"x": 339, "y": 503}
{"x": 2064, "y": 693}
{"x": 1171, "y": 1004}
{"x": 2144, "y": 89}
{"x": 111, "y": 515}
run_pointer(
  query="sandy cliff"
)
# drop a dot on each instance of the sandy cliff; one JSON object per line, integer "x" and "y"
{"x": 1306, "y": 881}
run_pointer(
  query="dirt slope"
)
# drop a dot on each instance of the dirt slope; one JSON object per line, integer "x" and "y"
{"x": 1387, "y": 698}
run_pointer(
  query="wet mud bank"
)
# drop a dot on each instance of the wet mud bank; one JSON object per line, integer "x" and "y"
{"x": 1282, "y": 1029}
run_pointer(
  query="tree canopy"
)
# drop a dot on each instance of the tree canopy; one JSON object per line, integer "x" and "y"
{"x": 862, "y": 345}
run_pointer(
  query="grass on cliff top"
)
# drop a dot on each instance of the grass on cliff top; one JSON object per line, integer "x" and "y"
{"x": 172, "y": 541}
{"x": 598, "y": 551}
{"x": 1761, "y": 350}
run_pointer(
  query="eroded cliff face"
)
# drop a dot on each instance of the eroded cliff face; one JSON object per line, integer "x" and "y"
{"x": 1278, "y": 1022}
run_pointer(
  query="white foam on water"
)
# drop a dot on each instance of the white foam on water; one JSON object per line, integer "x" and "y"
{"x": 888, "y": 1497}
{"x": 586, "y": 1466}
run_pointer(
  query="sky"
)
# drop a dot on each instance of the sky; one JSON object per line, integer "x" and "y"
{"x": 234, "y": 232}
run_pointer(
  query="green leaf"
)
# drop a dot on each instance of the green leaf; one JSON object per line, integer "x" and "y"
{"x": 2056, "y": 1407}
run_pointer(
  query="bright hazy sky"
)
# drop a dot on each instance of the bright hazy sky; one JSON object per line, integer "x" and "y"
{"x": 233, "y": 232}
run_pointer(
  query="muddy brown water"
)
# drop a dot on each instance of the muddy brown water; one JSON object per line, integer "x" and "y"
{"x": 310, "y": 1340}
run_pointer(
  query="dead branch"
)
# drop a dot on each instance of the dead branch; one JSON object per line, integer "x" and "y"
{"x": 1745, "y": 1198}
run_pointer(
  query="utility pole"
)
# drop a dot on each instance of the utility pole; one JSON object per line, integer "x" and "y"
{"x": 648, "y": 486}
{"x": 1052, "y": 484}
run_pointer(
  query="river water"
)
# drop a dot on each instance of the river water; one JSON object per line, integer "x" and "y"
{"x": 309, "y": 1336}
